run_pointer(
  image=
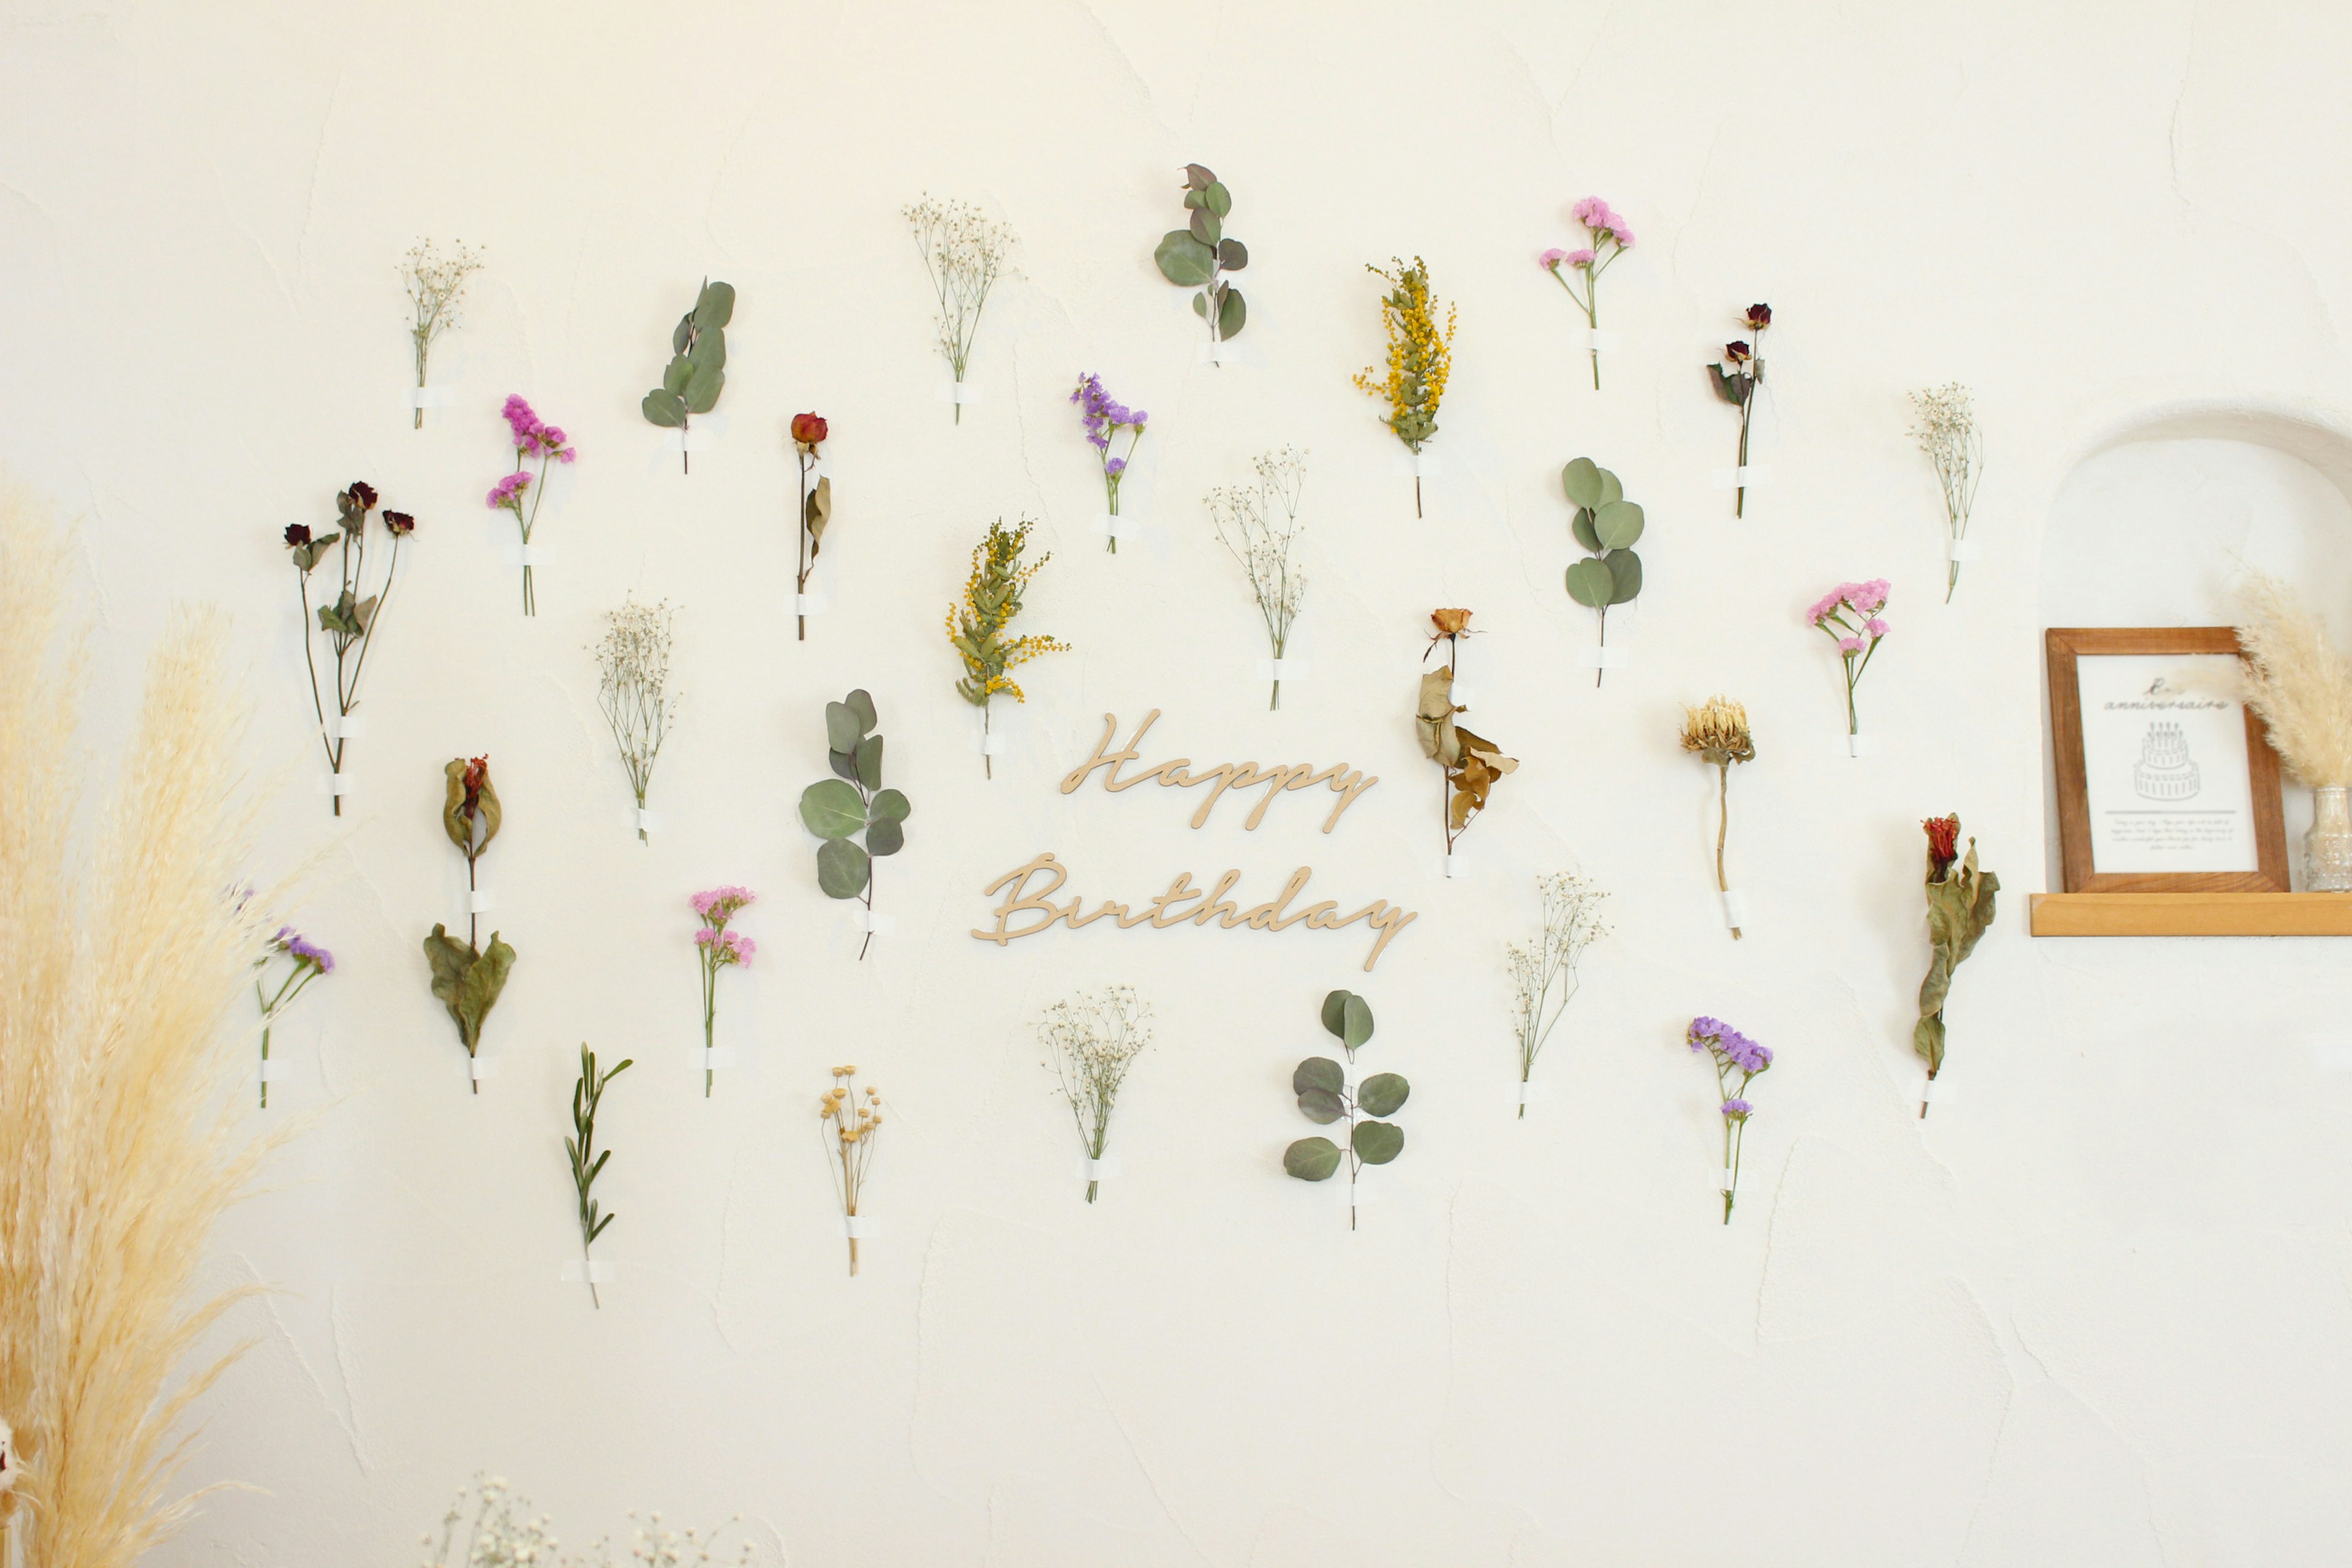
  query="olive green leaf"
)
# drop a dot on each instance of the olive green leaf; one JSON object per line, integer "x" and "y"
{"x": 842, "y": 730}
{"x": 1592, "y": 584}
{"x": 1318, "y": 1073}
{"x": 702, "y": 391}
{"x": 832, "y": 811}
{"x": 715, "y": 308}
{"x": 1232, "y": 255}
{"x": 467, "y": 983}
{"x": 1312, "y": 1159}
{"x": 1582, "y": 529}
{"x": 887, "y": 836}
{"x": 820, "y": 513}
{"x": 1233, "y": 313}
{"x": 1617, "y": 524}
{"x": 869, "y": 762}
{"x": 1184, "y": 260}
{"x": 1205, "y": 227}
{"x": 1377, "y": 1143}
{"x": 676, "y": 374}
{"x": 1349, "y": 1017}
{"x": 1582, "y": 480}
{"x": 890, "y": 805}
{"x": 861, "y": 702}
{"x": 1624, "y": 576}
{"x": 843, "y": 868}
{"x": 664, "y": 407}
{"x": 1380, "y": 1094}
{"x": 1218, "y": 199}
{"x": 1322, "y": 1106}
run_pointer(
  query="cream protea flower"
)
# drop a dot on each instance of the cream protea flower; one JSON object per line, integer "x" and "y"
{"x": 1716, "y": 730}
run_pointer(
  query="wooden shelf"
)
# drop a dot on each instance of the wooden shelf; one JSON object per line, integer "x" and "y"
{"x": 2193, "y": 914}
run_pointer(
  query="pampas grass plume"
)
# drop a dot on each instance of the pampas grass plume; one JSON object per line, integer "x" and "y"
{"x": 2297, "y": 680}
{"x": 121, "y": 957}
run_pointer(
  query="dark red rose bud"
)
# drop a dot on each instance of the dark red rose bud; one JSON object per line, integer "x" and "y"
{"x": 1736, "y": 352}
{"x": 400, "y": 522}
{"x": 808, "y": 429}
{"x": 1942, "y": 845}
{"x": 297, "y": 536}
{"x": 364, "y": 494}
{"x": 477, "y": 774}
{"x": 1758, "y": 317}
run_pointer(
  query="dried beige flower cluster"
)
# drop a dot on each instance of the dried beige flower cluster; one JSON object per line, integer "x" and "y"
{"x": 2297, "y": 680}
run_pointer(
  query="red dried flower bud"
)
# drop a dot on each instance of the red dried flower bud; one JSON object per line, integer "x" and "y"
{"x": 808, "y": 429}
{"x": 400, "y": 522}
{"x": 1736, "y": 352}
{"x": 1758, "y": 317}
{"x": 297, "y": 536}
{"x": 364, "y": 494}
{"x": 1942, "y": 845}
{"x": 477, "y": 774}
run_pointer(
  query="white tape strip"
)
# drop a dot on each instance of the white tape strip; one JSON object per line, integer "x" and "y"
{"x": 1422, "y": 464}
{"x": 1735, "y": 908}
{"x": 644, "y": 821}
{"x": 812, "y": 603}
{"x": 1927, "y": 1092}
{"x": 346, "y": 727}
{"x": 1106, "y": 524}
{"x": 428, "y": 397}
{"x": 690, "y": 440}
{"x": 588, "y": 1271}
{"x": 990, "y": 745}
{"x": 536, "y": 554}
{"x": 1213, "y": 354}
{"x": 479, "y": 1067}
{"x": 1530, "y": 1091}
{"x": 1454, "y": 865}
{"x": 1092, "y": 1169}
{"x": 1861, "y": 745}
{"x": 863, "y": 919}
{"x": 1725, "y": 1185}
{"x": 333, "y": 783}
{"x": 1599, "y": 340}
{"x": 480, "y": 901}
{"x": 1966, "y": 549}
{"x": 269, "y": 1072}
{"x": 1743, "y": 478}
{"x": 959, "y": 392}
{"x": 718, "y": 1058}
{"x": 1601, "y": 657}
{"x": 859, "y": 1227}
{"x": 1282, "y": 668}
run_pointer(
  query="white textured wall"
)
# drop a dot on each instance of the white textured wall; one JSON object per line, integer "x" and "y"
{"x": 2094, "y": 1311}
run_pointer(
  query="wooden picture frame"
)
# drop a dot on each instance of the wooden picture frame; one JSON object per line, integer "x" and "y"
{"x": 2263, "y": 815}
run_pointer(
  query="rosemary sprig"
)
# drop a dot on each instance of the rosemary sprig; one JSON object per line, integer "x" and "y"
{"x": 586, "y": 1163}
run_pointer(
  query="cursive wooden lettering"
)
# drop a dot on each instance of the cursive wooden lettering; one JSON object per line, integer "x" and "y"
{"x": 1175, "y": 773}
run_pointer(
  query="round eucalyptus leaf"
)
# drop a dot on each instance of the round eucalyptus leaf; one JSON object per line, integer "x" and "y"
{"x": 1322, "y": 1106}
{"x": 832, "y": 810}
{"x": 1582, "y": 480}
{"x": 861, "y": 702}
{"x": 869, "y": 762}
{"x": 676, "y": 374}
{"x": 1356, "y": 1025}
{"x": 842, "y": 730}
{"x": 1624, "y": 576}
{"x": 1198, "y": 177}
{"x": 842, "y": 869}
{"x": 1582, "y": 529}
{"x": 1183, "y": 259}
{"x": 1335, "y": 1012}
{"x": 891, "y": 805}
{"x": 886, "y": 836}
{"x": 1232, "y": 313}
{"x": 709, "y": 351}
{"x": 1312, "y": 1159}
{"x": 1617, "y": 524}
{"x": 1207, "y": 229}
{"x": 1218, "y": 199}
{"x": 1232, "y": 255}
{"x": 716, "y": 308}
{"x": 702, "y": 390}
{"x": 1590, "y": 584}
{"x": 1200, "y": 304}
{"x": 1378, "y": 1142}
{"x": 1609, "y": 488}
{"x": 1382, "y": 1093}
{"x": 663, "y": 407}
{"x": 683, "y": 335}
{"x": 843, "y": 763}
{"x": 1318, "y": 1073}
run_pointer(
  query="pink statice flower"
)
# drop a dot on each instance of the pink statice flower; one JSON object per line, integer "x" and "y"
{"x": 1824, "y": 606}
{"x": 1868, "y": 597}
{"x": 720, "y": 903}
{"x": 1849, "y": 644}
{"x": 1876, "y": 628}
{"x": 724, "y": 947}
{"x": 509, "y": 492}
{"x": 1550, "y": 259}
{"x": 1848, "y": 615}
{"x": 1580, "y": 257}
{"x": 1606, "y": 237}
{"x": 533, "y": 436}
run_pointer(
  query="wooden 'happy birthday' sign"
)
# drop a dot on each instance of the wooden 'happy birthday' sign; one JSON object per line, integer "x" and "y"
{"x": 1183, "y": 902}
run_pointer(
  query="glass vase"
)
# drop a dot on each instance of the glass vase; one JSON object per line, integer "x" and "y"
{"x": 2327, "y": 847}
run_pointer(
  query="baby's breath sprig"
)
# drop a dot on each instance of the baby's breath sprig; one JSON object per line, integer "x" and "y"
{"x": 964, "y": 252}
{"x": 1091, "y": 1040}
{"x": 435, "y": 284}
{"x": 1947, "y": 432}
{"x": 1544, "y": 975}
{"x": 1421, "y": 358}
{"x": 632, "y": 688}
{"x": 976, "y": 625}
{"x": 1259, "y": 523}
{"x": 850, "y": 1120}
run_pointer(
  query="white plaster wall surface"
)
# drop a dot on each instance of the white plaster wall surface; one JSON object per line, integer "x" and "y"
{"x": 2093, "y": 1311}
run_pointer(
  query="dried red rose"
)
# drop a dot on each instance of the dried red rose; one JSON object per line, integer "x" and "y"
{"x": 808, "y": 429}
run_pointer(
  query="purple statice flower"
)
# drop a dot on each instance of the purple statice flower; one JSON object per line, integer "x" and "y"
{"x": 533, "y": 436}
{"x": 1104, "y": 417}
{"x": 1735, "y": 1106}
{"x": 509, "y": 491}
{"x": 313, "y": 953}
{"x": 1116, "y": 467}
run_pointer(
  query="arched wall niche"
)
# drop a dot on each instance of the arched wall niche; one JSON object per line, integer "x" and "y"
{"x": 2156, "y": 516}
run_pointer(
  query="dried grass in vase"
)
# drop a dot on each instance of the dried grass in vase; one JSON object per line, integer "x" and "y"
{"x": 118, "y": 972}
{"x": 2297, "y": 680}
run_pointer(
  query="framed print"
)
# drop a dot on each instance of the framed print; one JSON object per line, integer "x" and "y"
{"x": 2167, "y": 782}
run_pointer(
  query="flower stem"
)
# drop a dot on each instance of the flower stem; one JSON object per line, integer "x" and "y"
{"x": 1722, "y": 829}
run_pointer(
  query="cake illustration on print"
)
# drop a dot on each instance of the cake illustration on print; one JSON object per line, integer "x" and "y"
{"x": 2165, "y": 770}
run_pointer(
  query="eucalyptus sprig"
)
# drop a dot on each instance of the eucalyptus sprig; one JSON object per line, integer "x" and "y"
{"x": 1607, "y": 525}
{"x": 697, "y": 372}
{"x": 468, "y": 978}
{"x": 838, "y": 809}
{"x": 1325, "y": 1096}
{"x": 587, "y": 1164}
{"x": 1199, "y": 254}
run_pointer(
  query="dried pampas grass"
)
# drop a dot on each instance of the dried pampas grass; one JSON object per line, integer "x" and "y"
{"x": 120, "y": 961}
{"x": 2297, "y": 680}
